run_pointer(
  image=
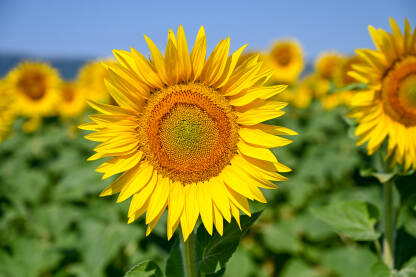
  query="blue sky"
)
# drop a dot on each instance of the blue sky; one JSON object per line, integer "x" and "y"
{"x": 92, "y": 28}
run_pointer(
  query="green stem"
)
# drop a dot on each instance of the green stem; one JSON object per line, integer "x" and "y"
{"x": 389, "y": 225}
{"x": 189, "y": 256}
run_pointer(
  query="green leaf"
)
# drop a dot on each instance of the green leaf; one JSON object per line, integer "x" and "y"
{"x": 282, "y": 237}
{"x": 349, "y": 261}
{"x": 217, "y": 250}
{"x": 380, "y": 269}
{"x": 356, "y": 86}
{"x": 409, "y": 269}
{"x": 297, "y": 267}
{"x": 353, "y": 219}
{"x": 241, "y": 265}
{"x": 174, "y": 264}
{"x": 145, "y": 269}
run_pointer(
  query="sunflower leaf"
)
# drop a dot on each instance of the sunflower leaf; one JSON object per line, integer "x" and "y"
{"x": 145, "y": 269}
{"x": 217, "y": 250}
{"x": 351, "y": 218}
{"x": 174, "y": 264}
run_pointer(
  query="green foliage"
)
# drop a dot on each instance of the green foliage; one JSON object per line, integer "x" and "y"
{"x": 353, "y": 219}
{"x": 216, "y": 250}
{"x": 323, "y": 221}
{"x": 213, "y": 252}
{"x": 145, "y": 269}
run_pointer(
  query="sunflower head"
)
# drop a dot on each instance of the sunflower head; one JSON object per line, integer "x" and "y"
{"x": 187, "y": 133}
{"x": 7, "y": 111}
{"x": 327, "y": 63}
{"x": 34, "y": 86}
{"x": 91, "y": 80}
{"x": 304, "y": 92}
{"x": 286, "y": 57}
{"x": 72, "y": 101}
{"x": 387, "y": 108}
{"x": 341, "y": 74}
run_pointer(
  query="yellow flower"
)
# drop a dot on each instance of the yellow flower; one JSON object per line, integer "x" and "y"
{"x": 7, "y": 112}
{"x": 34, "y": 86}
{"x": 72, "y": 100}
{"x": 286, "y": 57}
{"x": 188, "y": 133}
{"x": 387, "y": 108}
{"x": 327, "y": 63}
{"x": 341, "y": 76}
{"x": 341, "y": 80}
{"x": 303, "y": 92}
{"x": 91, "y": 80}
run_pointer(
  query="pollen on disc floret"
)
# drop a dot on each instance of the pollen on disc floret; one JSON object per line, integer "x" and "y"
{"x": 189, "y": 132}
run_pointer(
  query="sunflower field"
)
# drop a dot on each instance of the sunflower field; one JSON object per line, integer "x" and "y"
{"x": 191, "y": 162}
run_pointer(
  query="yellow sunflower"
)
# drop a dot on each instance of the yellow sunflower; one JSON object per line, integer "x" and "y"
{"x": 303, "y": 92}
{"x": 34, "y": 86}
{"x": 325, "y": 68}
{"x": 7, "y": 112}
{"x": 327, "y": 63}
{"x": 341, "y": 80}
{"x": 72, "y": 100}
{"x": 387, "y": 108}
{"x": 91, "y": 80}
{"x": 286, "y": 57}
{"x": 188, "y": 133}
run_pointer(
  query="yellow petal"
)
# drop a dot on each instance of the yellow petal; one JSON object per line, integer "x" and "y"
{"x": 184, "y": 58}
{"x": 125, "y": 179}
{"x": 230, "y": 66}
{"x": 122, "y": 163}
{"x": 218, "y": 221}
{"x": 257, "y": 93}
{"x": 158, "y": 199}
{"x": 236, "y": 214}
{"x": 143, "y": 176}
{"x": 260, "y": 138}
{"x": 158, "y": 60}
{"x": 234, "y": 181}
{"x": 141, "y": 197}
{"x": 199, "y": 53}
{"x": 255, "y": 152}
{"x": 205, "y": 205}
{"x": 218, "y": 193}
{"x": 176, "y": 206}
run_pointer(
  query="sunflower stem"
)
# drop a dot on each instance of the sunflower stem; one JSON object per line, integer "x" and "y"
{"x": 189, "y": 257}
{"x": 389, "y": 225}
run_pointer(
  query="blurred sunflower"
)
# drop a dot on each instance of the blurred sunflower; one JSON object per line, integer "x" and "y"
{"x": 91, "y": 80}
{"x": 388, "y": 106}
{"x": 72, "y": 100}
{"x": 7, "y": 112}
{"x": 326, "y": 66}
{"x": 34, "y": 86}
{"x": 286, "y": 57}
{"x": 341, "y": 80}
{"x": 188, "y": 133}
{"x": 303, "y": 93}
{"x": 327, "y": 63}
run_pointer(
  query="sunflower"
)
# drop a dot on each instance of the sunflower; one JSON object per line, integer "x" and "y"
{"x": 341, "y": 79}
{"x": 188, "y": 133}
{"x": 387, "y": 108}
{"x": 303, "y": 92}
{"x": 286, "y": 57}
{"x": 327, "y": 63}
{"x": 72, "y": 100}
{"x": 34, "y": 86}
{"x": 91, "y": 80}
{"x": 7, "y": 113}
